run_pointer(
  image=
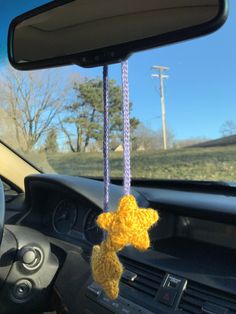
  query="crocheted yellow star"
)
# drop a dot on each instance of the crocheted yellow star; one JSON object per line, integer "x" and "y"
{"x": 106, "y": 269}
{"x": 128, "y": 225}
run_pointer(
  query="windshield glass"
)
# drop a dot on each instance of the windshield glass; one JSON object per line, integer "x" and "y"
{"x": 54, "y": 117}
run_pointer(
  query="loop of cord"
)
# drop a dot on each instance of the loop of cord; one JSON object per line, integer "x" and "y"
{"x": 126, "y": 128}
{"x": 106, "y": 138}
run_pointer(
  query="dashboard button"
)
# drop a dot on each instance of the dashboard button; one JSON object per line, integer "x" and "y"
{"x": 115, "y": 305}
{"x": 167, "y": 296}
{"x": 172, "y": 282}
{"x": 27, "y": 255}
{"x": 94, "y": 290}
{"x": 30, "y": 257}
{"x": 106, "y": 299}
{"x": 125, "y": 310}
{"x": 22, "y": 289}
{"x": 129, "y": 307}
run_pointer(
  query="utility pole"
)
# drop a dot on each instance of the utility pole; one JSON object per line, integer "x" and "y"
{"x": 162, "y": 76}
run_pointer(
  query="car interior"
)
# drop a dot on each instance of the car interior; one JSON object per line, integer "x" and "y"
{"x": 48, "y": 221}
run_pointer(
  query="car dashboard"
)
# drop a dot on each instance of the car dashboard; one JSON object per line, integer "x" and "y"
{"x": 189, "y": 268}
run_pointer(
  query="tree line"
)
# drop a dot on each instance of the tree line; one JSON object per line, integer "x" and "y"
{"x": 48, "y": 110}
{"x": 40, "y": 112}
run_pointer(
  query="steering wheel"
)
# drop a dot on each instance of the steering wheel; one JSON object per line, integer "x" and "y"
{"x": 27, "y": 267}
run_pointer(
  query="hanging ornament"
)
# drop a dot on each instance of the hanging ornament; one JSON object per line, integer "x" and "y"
{"x": 129, "y": 224}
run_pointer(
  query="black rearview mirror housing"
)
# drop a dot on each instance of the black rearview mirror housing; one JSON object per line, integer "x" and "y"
{"x": 97, "y": 32}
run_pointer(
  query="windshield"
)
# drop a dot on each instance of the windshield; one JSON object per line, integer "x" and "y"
{"x": 183, "y": 117}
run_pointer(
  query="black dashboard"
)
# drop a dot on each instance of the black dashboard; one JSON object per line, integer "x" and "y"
{"x": 67, "y": 207}
{"x": 64, "y": 215}
{"x": 190, "y": 267}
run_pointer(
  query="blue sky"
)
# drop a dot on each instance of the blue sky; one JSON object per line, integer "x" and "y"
{"x": 200, "y": 91}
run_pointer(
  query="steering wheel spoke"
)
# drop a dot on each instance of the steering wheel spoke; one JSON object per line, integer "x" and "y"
{"x": 27, "y": 267}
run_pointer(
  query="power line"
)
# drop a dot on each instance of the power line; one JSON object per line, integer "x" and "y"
{"x": 161, "y": 75}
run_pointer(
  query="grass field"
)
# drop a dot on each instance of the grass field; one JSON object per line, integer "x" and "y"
{"x": 215, "y": 163}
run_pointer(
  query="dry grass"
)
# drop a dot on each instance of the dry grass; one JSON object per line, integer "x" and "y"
{"x": 217, "y": 163}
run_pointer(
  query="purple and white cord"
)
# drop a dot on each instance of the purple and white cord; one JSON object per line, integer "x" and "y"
{"x": 106, "y": 138}
{"x": 126, "y": 128}
{"x": 126, "y": 133}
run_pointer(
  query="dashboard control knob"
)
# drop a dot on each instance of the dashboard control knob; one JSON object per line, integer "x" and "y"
{"x": 31, "y": 257}
{"x": 27, "y": 255}
{"x": 22, "y": 289}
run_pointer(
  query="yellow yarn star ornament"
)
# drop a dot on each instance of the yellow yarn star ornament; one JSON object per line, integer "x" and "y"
{"x": 106, "y": 269}
{"x": 128, "y": 225}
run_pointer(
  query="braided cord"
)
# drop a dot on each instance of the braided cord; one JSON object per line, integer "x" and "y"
{"x": 106, "y": 138}
{"x": 126, "y": 128}
{"x": 126, "y": 133}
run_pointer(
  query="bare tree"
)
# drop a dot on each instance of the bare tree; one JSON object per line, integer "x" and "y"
{"x": 31, "y": 102}
{"x": 70, "y": 138}
{"x": 144, "y": 138}
{"x": 228, "y": 128}
{"x": 7, "y": 131}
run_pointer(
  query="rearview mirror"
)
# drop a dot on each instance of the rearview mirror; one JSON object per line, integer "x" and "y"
{"x": 96, "y": 32}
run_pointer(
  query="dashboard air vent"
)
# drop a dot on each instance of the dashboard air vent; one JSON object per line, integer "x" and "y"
{"x": 197, "y": 296}
{"x": 148, "y": 279}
